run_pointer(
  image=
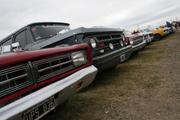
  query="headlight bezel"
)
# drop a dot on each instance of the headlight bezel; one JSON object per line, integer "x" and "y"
{"x": 79, "y": 58}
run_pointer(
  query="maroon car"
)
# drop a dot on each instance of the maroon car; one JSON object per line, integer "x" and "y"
{"x": 33, "y": 83}
{"x": 137, "y": 41}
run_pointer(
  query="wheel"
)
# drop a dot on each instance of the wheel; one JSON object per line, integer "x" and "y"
{"x": 157, "y": 37}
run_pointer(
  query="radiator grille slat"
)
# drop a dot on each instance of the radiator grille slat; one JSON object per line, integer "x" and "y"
{"x": 138, "y": 40}
{"x": 13, "y": 78}
{"x": 106, "y": 39}
{"x": 17, "y": 77}
{"x": 53, "y": 66}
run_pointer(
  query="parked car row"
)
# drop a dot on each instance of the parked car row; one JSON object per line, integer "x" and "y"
{"x": 43, "y": 64}
{"x": 162, "y": 31}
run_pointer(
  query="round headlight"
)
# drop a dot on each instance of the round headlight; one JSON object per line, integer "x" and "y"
{"x": 111, "y": 46}
{"x": 122, "y": 43}
{"x": 79, "y": 58}
{"x": 101, "y": 51}
{"x": 93, "y": 43}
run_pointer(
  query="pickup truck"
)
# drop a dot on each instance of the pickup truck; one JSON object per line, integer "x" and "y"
{"x": 33, "y": 83}
{"x": 137, "y": 40}
{"x": 109, "y": 45}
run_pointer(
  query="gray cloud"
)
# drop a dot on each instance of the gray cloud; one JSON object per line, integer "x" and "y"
{"x": 114, "y": 13}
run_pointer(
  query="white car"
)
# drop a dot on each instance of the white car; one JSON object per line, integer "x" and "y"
{"x": 148, "y": 35}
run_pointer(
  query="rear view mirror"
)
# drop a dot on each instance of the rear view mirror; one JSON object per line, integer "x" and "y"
{"x": 15, "y": 45}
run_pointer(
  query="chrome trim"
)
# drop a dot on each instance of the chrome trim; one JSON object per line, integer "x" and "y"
{"x": 43, "y": 76}
{"x": 57, "y": 65}
{"x": 15, "y": 78}
{"x": 24, "y": 68}
{"x": 111, "y": 39}
{"x": 66, "y": 86}
{"x": 124, "y": 49}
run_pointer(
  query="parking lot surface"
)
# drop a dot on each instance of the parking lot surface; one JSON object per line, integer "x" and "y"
{"x": 146, "y": 87}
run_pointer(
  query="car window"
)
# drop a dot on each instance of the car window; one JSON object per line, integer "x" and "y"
{"x": 29, "y": 37}
{"x": 48, "y": 31}
{"x": 21, "y": 38}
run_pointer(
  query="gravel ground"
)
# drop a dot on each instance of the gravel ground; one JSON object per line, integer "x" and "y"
{"x": 147, "y": 87}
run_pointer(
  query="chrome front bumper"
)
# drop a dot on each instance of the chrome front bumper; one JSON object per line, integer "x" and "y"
{"x": 111, "y": 59}
{"x": 65, "y": 88}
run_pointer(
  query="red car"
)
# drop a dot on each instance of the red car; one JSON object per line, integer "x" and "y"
{"x": 33, "y": 83}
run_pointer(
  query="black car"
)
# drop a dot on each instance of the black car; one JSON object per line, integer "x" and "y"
{"x": 109, "y": 45}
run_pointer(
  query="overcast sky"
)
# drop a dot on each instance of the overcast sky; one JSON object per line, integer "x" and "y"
{"x": 112, "y": 13}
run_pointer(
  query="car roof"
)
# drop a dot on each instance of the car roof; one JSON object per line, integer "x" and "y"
{"x": 32, "y": 24}
{"x": 47, "y": 23}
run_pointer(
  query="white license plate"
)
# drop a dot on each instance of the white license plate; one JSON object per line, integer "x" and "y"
{"x": 122, "y": 58}
{"x": 39, "y": 110}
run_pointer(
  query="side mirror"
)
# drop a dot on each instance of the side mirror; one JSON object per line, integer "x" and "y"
{"x": 15, "y": 46}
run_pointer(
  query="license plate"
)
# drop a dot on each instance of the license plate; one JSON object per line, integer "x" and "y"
{"x": 122, "y": 58}
{"x": 39, "y": 110}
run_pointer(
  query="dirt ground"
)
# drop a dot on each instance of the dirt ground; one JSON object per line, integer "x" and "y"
{"x": 146, "y": 87}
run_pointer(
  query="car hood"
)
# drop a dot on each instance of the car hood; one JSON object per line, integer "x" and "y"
{"x": 146, "y": 33}
{"x": 45, "y": 42}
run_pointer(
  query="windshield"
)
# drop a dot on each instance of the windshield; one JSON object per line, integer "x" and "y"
{"x": 47, "y": 31}
{"x": 147, "y": 30}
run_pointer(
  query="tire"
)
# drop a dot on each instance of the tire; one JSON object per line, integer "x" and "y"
{"x": 157, "y": 37}
{"x": 136, "y": 52}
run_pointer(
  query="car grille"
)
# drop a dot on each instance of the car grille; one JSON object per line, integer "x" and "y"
{"x": 103, "y": 41}
{"x": 14, "y": 78}
{"x": 22, "y": 79}
{"x": 137, "y": 40}
{"x": 53, "y": 66}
